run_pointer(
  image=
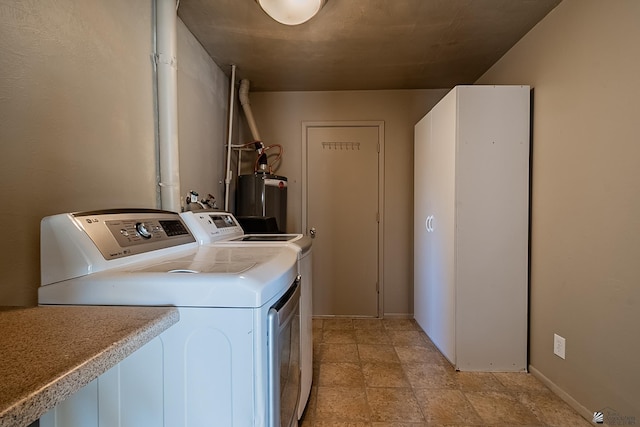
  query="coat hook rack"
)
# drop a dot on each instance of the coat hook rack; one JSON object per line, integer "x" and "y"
{"x": 341, "y": 145}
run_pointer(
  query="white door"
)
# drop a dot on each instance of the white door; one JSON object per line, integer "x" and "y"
{"x": 342, "y": 194}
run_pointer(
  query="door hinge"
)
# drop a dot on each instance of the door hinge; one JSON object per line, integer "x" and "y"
{"x": 377, "y": 287}
{"x": 378, "y": 217}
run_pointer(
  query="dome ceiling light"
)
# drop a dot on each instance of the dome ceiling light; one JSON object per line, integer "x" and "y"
{"x": 291, "y": 12}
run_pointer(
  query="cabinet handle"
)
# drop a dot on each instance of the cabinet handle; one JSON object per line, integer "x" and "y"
{"x": 429, "y": 224}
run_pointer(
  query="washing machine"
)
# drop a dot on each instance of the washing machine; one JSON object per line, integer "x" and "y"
{"x": 233, "y": 357}
{"x": 222, "y": 229}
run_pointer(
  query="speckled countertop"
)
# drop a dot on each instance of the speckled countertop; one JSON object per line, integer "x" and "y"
{"x": 47, "y": 353}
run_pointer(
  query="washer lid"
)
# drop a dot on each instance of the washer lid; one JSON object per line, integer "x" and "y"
{"x": 231, "y": 277}
{"x": 211, "y": 259}
{"x": 190, "y": 267}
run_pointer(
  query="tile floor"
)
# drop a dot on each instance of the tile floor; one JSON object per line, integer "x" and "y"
{"x": 387, "y": 373}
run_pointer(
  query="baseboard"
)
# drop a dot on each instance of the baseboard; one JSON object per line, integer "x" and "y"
{"x": 584, "y": 412}
{"x": 385, "y": 316}
{"x": 340, "y": 316}
{"x": 398, "y": 316}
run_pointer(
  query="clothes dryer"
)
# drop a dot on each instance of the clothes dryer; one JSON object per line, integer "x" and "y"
{"x": 222, "y": 229}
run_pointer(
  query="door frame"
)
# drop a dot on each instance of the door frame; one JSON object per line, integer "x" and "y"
{"x": 306, "y": 125}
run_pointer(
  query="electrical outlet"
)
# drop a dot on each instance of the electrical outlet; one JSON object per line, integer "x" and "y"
{"x": 559, "y": 345}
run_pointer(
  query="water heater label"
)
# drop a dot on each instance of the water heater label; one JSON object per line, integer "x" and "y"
{"x": 275, "y": 183}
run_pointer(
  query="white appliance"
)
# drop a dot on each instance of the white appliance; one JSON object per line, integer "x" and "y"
{"x": 222, "y": 229}
{"x": 471, "y": 219}
{"x": 231, "y": 360}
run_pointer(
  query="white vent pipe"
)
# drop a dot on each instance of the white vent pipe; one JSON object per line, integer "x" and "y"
{"x": 243, "y": 95}
{"x": 227, "y": 180}
{"x": 167, "y": 81}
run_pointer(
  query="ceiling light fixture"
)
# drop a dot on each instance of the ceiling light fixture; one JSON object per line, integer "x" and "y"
{"x": 291, "y": 12}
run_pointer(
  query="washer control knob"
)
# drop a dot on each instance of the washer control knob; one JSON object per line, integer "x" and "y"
{"x": 143, "y": 230}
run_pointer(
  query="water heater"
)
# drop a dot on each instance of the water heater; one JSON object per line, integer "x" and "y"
{"x": 262, "y": 195}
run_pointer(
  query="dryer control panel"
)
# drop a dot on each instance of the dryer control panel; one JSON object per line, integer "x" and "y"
{"x": 211, "y": 226}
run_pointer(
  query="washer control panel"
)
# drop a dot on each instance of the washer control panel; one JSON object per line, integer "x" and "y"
{"x": 123, "y": 233}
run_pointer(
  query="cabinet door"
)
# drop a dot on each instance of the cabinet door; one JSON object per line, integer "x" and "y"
{"x": 441, "y": 164}
{"x": 421, "y": 217}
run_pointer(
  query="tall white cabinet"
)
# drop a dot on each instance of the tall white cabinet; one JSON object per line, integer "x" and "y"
{"x": 471, "y": 216}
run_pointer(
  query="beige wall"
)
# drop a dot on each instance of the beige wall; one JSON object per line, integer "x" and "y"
{"x": 77, "y": 127}
{"x": 279, "y": 117}
{"x": 203, "y": 93}
{"x": 583, "y": 61}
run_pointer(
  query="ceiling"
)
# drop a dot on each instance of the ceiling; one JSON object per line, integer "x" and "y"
{"x": 363, "y": 44}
